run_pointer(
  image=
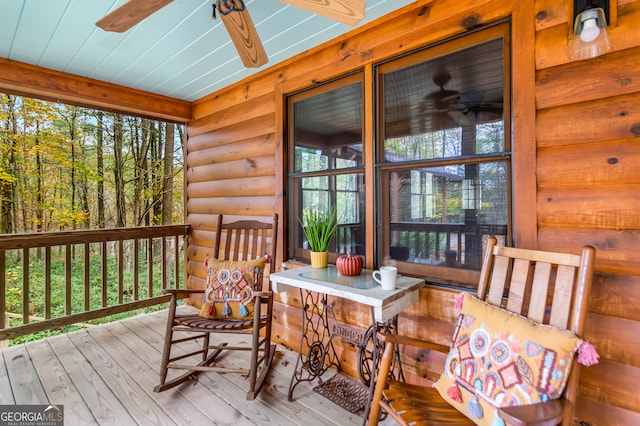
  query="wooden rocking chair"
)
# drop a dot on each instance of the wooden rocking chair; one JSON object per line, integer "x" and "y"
{"x": 244, "y": 241}
{"x": 547, "y": 288}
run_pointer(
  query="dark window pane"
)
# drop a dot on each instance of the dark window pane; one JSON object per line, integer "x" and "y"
{"x": 327, "y": 168}
{"x": 441, "y": 215}
{"x": 348, "y": 197}
{"x": 444, "y": 157}
{"x": 328, "y": 130}
{"x": 427, "y": 105}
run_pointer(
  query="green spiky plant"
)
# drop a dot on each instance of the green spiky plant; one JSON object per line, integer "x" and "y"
{"x": 319, "y": 227}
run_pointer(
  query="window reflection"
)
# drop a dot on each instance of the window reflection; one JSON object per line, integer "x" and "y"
{"x": 326, "y": 169}
{"x": 444, "y": 158}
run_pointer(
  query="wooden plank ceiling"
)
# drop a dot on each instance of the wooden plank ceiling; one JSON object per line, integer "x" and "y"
{"x": 178, "y": 51}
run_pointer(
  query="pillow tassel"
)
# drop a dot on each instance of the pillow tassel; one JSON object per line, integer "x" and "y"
{"x": 243, "y": 310}
{"x": 454, "y": 392}
{"x": 226, "y": 310}
{"x": 212, "y": 310}
{"x": 475, "y": 409}
{"x": 497, "y": 420}
{"x": 459, "y": 299}
{"x": 587, "y": 354}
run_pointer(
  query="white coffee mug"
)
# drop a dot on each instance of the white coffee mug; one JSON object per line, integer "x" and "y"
{"x": 386, "y": 276}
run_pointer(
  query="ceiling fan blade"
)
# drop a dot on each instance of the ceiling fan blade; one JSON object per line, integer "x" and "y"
{"x": 129, "y": 14}
{"x": 460, "y": 118}
{"x": 348, "y": 12}
{"x": 245, "y": 37}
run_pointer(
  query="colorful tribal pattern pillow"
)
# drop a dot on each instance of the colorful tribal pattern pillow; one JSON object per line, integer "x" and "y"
{"x": 500, "y": 359}
{"x": 230, "y": 288}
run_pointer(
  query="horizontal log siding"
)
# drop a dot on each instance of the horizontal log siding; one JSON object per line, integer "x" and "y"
{"x": 585, "y": 167}
{"x": 230, "y": 171}
{"x": 588, "y": 174}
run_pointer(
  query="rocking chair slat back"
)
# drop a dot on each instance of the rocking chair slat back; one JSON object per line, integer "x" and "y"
{"x": 547, "y": 287}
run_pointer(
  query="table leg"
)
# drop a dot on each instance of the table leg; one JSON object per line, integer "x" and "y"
{"x": 316, "y": 338}
{"x": 372, "y": 349}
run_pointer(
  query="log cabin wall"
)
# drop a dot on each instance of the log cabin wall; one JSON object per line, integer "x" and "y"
{"x": 576, "y": 171}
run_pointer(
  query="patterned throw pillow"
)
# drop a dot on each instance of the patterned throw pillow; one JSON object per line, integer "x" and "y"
{"x": 500, "y": 359}
{"x": 229, "y": 289}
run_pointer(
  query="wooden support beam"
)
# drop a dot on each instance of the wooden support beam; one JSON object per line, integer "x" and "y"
{"x": 28, "y": 80}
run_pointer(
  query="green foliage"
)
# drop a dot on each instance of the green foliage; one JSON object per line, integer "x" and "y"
{"x": 93, "y": 290}
{"x": 319, "y": 227}
{"x": 59, "y": 164}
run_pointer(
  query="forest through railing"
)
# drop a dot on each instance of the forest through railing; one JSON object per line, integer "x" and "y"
{"x": 63, "y": 278}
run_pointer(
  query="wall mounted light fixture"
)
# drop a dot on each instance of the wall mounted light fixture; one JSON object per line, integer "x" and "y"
{"x": 590, "y": 33}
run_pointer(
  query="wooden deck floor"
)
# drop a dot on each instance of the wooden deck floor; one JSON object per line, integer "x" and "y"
{"x": 106, "y": 374}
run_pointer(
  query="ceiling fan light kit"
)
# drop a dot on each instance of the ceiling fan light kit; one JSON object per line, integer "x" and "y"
{"x": 236, "y": 19}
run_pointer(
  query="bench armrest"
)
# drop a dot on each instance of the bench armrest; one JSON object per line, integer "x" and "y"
{"x": 541, "y": 414}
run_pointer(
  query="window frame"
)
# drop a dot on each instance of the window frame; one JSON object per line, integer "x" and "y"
{"x": 439, "y": 273}
{"x": 373, "y": 169}
{"x": 294, "y": 198}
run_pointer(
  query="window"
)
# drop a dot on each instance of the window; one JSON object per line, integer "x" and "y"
{"x": 326, "y": 162}
{"x": 442, "y": 157}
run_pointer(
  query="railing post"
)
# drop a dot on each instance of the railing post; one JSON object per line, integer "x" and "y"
{"x": 25, "y": 285}
{"x": 87, "y": 277}
{"x": 120, "y": 271}
{"x": 149, "y": 267}
{"x": 4, "y": 320}
{"x": 47, "y": 282}
{"x": 67, "y": 279}
{"x": 103, "y": 256}
{"x": 165, "y": 260}
{"x": 136, "y": 269}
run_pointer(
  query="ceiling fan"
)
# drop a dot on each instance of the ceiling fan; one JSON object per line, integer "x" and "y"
{"x": 236, "y": 19}
{"x": 447, "y": 100}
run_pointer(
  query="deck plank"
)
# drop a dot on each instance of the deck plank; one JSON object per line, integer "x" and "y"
{"x": 209, "y": 404}
{"x": 126, "y": 389}
{"x": 6, "y": 393}
{"x": 100, "y": 400}
{"x": 175, "y": 405}
{"x": 106, "y": 374}
{"x": 58, "y": 384}
{"x": 25, "y": 383}
{"x": 230, "y": 388}
{"x": 276, "y": 388}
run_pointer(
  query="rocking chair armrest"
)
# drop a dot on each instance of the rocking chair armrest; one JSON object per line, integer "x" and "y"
{"x": 540, "y": 414}
{"x": 404, "y": 340}
{"x": 181, "y": 293}
{"x": 263, "y": 293}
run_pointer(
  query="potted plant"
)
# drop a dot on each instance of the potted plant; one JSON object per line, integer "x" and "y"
{"x": 319, "y": 227}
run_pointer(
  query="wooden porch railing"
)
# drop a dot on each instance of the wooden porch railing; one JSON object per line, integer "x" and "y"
{"x": 424, "y": 241}
{"x": 134, "y": 267}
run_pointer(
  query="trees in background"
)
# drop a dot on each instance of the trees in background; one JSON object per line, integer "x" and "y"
{"x": 65, "y": 167}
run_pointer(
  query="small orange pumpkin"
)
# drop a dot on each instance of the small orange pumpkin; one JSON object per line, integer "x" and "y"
{"x": 349, "y": 265}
